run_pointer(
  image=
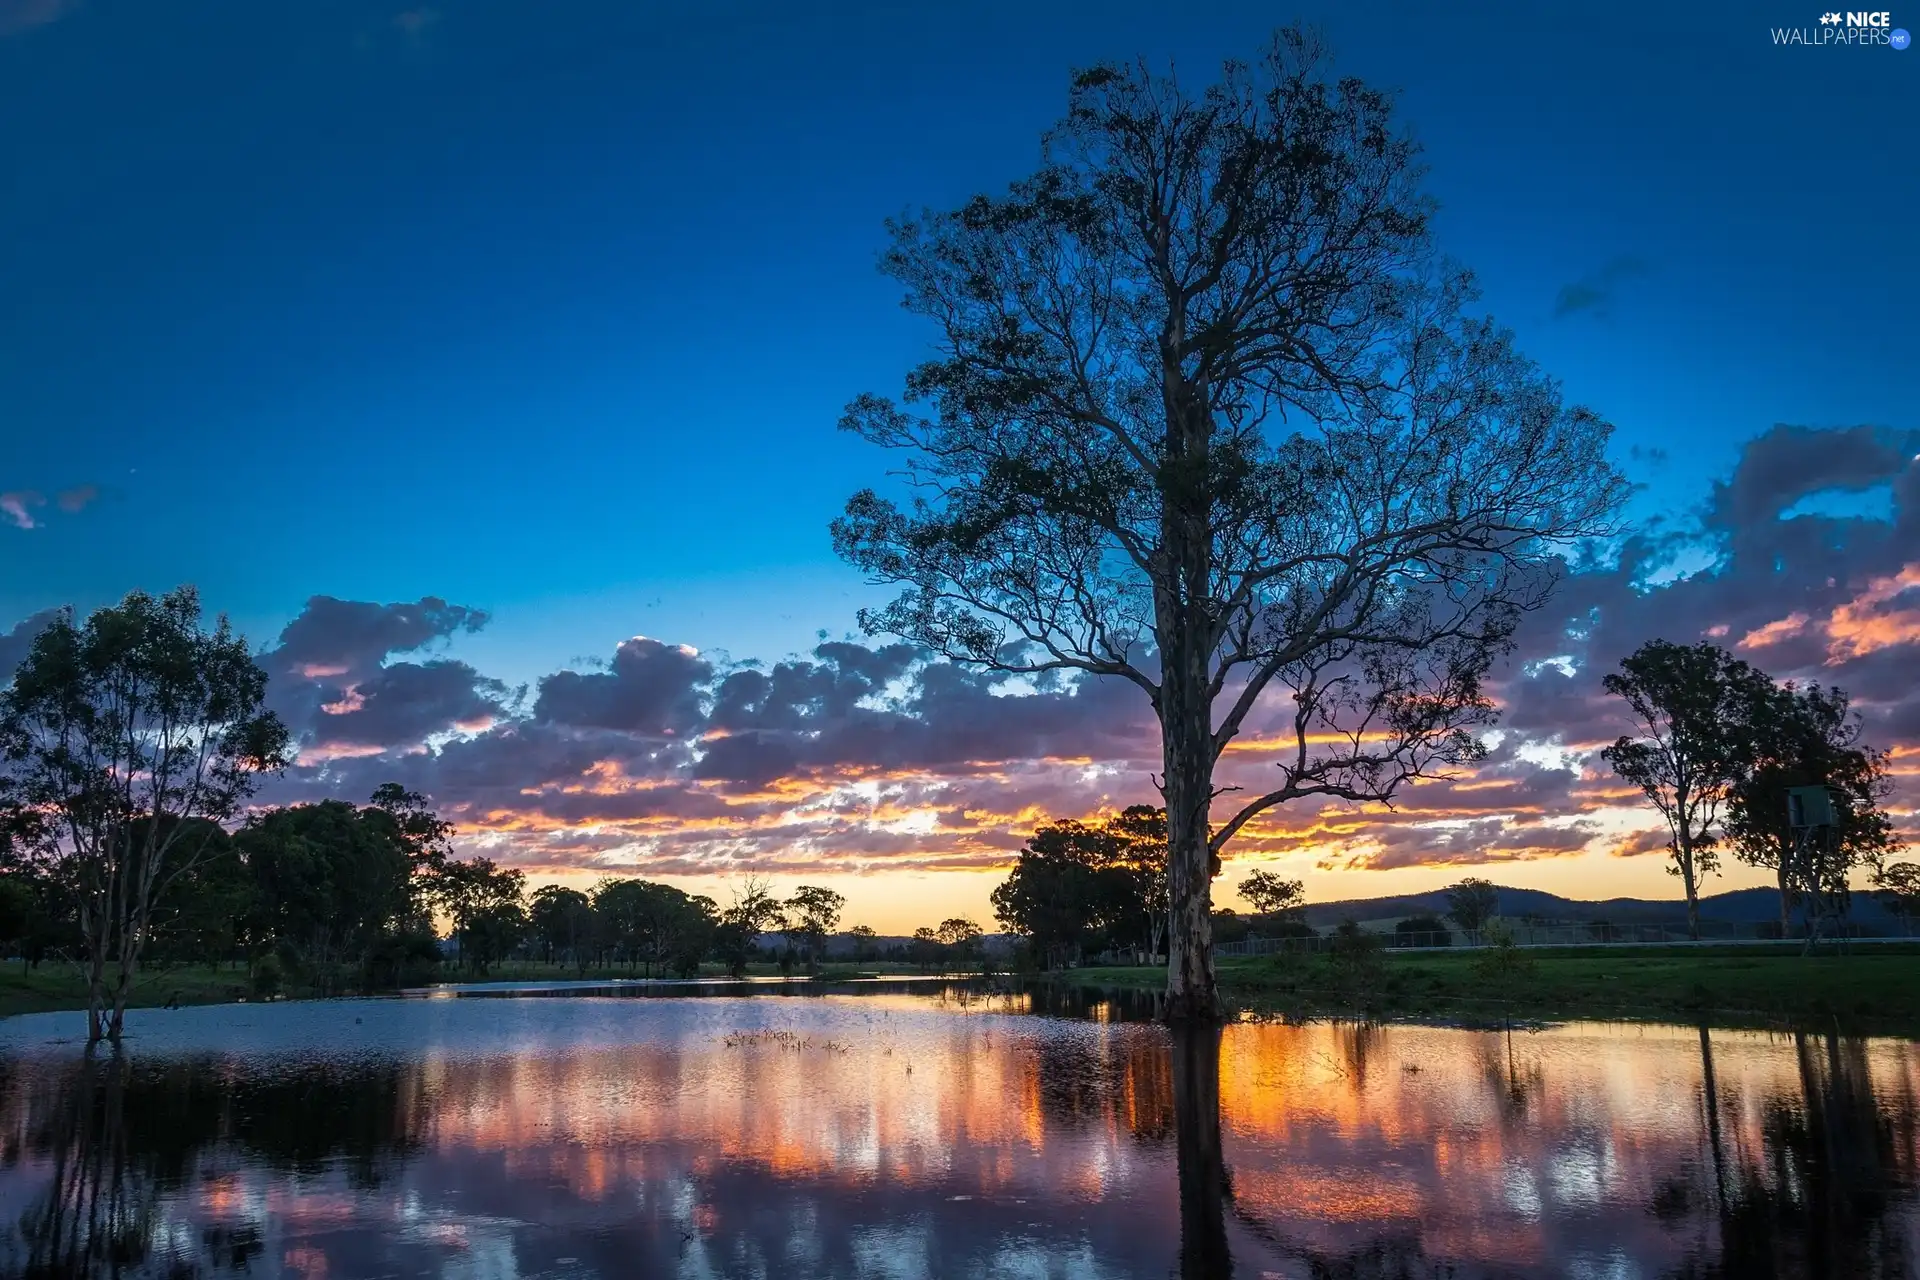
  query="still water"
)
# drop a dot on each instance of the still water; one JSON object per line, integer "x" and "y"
{"x": 931, "y": 1133}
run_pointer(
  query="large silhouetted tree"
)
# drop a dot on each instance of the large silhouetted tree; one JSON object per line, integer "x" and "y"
{"x": 1810, "y": 737}
{"x": 1695, "y": 709}
{"x": 133, "y": 735}
{"x": 1207, "y": 415}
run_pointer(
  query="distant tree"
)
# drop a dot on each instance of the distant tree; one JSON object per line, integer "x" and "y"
{"x": 1272, "y": 896}
{"x": 1087, "y": 884}
{"x": 1899, "y": 886}
{"x": 16, "y": 910}
{"x": 123, "y": 731}
{"x": 1422, "y": 931}
{"x": 562, "y": 921}
{"x": 408, "y": 820}
{"x": 700, "y": 928}
{"x": 328, "y": 884}
{"x": 1209, "y": 416}
{"x": 1137, "y": 903}
{"x": 203, "y": 915}
{"x": 960, "y": 938}
{"x": 1695, "y": 706}
{"x": 811, "y": 914}
{"x": 1806, "y": 737}
{"x": 753, "y": 911}
{"x": 1471, "y": 903}
{"x": 864, "y": 937}
{"x": 333, "y": 893}
{"x": 620, "y": 908}
{"x": 493, "y": 932}
{"x": 925, "y": 947}
{"x": 486, "y": 906}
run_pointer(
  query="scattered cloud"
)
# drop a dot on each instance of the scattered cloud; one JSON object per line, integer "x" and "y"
{"x": 658, "y": 759}
{"x": 1595, "y": 293}
{"x": 20, "y": 507}
{"x": 23, "y": 15}
{"x": 17, "y": 507}
{"x": 415, "y": 22}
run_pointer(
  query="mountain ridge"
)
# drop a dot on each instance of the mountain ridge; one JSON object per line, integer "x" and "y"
{"x": 1732, "y": 906}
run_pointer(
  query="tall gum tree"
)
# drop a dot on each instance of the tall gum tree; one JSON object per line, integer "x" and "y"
{"x": 1207, "y": 414}
{"x": 1695, "y": 710}
{"x": 132, "y": 737}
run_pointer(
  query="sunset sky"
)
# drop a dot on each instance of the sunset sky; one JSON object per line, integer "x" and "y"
{"x": 482, "y": 360}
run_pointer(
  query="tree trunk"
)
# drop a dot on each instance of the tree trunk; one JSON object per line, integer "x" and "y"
{"x": 95, "y": 930}
{"x": 1687, "y": 878}
{"x": 1191, "y": 993}
{"x": 1786, "y": 899}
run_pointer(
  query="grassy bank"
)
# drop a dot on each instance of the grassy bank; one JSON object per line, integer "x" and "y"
{"x": 1878, "y": 984}
{"x": 54, "y": 987}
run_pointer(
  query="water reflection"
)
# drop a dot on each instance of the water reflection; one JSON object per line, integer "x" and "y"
{"x": 916, "y": 1135}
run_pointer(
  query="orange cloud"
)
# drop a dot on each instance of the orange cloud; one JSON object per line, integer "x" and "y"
{"x": 1865, "y": 623}
{"x": 1884, "y": 615}
{"x": 1774, "y": 632}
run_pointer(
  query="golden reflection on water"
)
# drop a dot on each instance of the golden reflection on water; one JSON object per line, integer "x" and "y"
{"x": 886, "y": 1136}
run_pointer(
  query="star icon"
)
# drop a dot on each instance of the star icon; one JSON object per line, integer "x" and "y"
{"x": 1829, "y": 19}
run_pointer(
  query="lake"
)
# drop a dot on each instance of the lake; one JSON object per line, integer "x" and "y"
{"x": 932, "y": 1131}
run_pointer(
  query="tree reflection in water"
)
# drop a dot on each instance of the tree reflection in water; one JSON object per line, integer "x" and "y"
{"x": 904, "y": 1136}
{"x": 117, "y": 1134}
{"x": 1204, "y": 1184}
{"x": 1817, "y": 1199}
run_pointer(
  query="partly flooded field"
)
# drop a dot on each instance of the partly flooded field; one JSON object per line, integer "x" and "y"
{"x": 918, "y": 1132}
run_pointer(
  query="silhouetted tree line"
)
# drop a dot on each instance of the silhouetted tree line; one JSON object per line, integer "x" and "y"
{"x": 131, "y": 745}
{"x": 1721, "y": 750}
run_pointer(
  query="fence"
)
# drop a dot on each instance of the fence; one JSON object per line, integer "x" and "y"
{"x": 1526, "y": 935}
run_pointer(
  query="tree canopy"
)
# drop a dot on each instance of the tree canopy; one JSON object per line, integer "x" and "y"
{"x": 1209, "y": 415}
{"x": 1695, "y": 707}
{"x": 1801, "y": 737}
{"x": 131, "y": 738}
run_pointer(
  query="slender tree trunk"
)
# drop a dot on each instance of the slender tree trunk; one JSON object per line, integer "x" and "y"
{"x": 1691, "y": 881}
{"x": 94, "y": 926}
{"x": 1191, "y": 993}
{"x": 1786, "y": 899}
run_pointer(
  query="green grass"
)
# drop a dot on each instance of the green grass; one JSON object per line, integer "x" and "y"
{"x": 55, "y": 986}
{"x": 1875, "y": 986}
{"x": 1871, "y": 985}
{"x": 540, "y": 971}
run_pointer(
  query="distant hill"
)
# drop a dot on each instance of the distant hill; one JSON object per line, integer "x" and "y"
{"x": 1734, "y": 907}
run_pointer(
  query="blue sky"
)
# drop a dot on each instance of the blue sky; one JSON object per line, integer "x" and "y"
{"x": 550, "y": 308}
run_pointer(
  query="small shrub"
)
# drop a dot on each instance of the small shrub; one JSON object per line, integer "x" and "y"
{"x": 1355, "y": 956}
{"x": 1502, "y": 961}
{"x": 267, "y": 976}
